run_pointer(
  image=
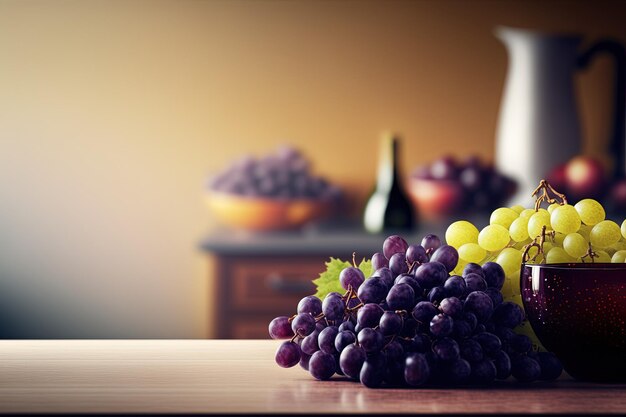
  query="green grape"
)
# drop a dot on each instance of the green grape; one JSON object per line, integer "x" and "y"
{"x": 503, "y": 216}
{"x": 493, "y": 237}
{"x": 471, "y": 252}
{"x": 585, "y": 231}
{"x": 558, "y": 239}
{"x": 590, "y": 211}
{"x": 552, "y": 206}
{"x": 621, "y": 245}
{"x": 507, "y": 290}
{"x": 458, "y": 270}
{"x": 537, "y": 221}
{"x": 619, "y": 257}
{"x": 602, "y": 256}
{"x": 605, "y": 234}
{"x": 558, "y": 256}
{"x": 527, "y": 213}
{"x": 510, "y": 260}
{"x": 624, "y": 229}
{"x": 575, "y": 245}
{"x": 520, "y": 245}
{"x": 460, "y": 233}
{"x": 565, "y": 219}
{"x": 517, "y": 208}
{"x": 547, "y": 246}
{"x": 519, "y": 229}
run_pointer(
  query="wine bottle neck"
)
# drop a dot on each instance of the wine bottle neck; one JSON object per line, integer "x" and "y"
{"x": 388, "y": 165}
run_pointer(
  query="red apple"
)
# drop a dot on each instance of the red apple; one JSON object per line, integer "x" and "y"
{"x": 585, "y": 178}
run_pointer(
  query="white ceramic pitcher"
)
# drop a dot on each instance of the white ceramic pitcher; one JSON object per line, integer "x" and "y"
{"x": 538, "y": 124}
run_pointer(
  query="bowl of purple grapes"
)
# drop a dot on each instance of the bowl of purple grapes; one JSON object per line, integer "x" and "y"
{"x": 276, "y": 191}
{"x": 578, "y": 311}
{"x": 413, "y": 321}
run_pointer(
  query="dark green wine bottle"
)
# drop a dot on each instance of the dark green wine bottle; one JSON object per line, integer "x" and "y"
{"x": 388, "y": 208}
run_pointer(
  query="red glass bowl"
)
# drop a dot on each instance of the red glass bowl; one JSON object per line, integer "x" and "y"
{"x": 578, "y": 311}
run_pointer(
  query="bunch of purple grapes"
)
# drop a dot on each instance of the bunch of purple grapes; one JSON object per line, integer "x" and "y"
{"x": 411, "y": 323}
{"x": 284, "y": 173}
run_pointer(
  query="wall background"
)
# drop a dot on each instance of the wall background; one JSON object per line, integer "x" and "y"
{"x": 113, "y": 113}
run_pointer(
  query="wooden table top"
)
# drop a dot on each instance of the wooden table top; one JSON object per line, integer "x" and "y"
{"x": 240, "y": 376}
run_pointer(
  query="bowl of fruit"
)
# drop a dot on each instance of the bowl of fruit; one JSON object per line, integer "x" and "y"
{"x": 273, "y": 192}
{"x": 575, "y": 295}
{"x": 448, "y": 187}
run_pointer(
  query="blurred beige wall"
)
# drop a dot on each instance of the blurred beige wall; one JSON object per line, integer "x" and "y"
{"x": 112, "y": 113}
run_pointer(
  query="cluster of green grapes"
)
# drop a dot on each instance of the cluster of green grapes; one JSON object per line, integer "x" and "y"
{"x": 578, "y": 233}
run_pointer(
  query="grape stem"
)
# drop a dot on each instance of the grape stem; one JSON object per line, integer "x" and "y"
{"x": 591, "y": 254}
{"x": 545, "y": 188}
{"x": 537, "y": 243}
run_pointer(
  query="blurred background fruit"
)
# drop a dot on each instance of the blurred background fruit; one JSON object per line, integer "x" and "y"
{"x": 276, "y": 191}
{"x": 447, "y": 187}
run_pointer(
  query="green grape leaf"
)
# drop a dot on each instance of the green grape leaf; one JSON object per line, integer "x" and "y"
{"x": 328, "y": 280}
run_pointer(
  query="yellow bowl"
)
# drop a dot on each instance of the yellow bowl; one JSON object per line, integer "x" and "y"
{"x": 263, "y": 214}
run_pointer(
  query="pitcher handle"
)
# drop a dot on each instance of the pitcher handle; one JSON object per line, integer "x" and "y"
{"x": 617, "y": 144}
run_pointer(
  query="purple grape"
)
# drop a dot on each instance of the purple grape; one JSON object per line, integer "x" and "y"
{"x": 416, "y": 369}
{"x": 371, "y": 340}
{"x": 451, "y": 306}
{"x": 446, "y": 349}
{"x": 475, "y": 282}
{"x": 409, "y": 328}
{"x": 424, "y": 311}
{"x": 369, "y": 315}
{"x": 551, "y": 367}
{"x": 458, "y": 372}
{"x": 471, "y": 350}
{"x": 351, "y": 277}
{"x": 431, "y": 274}
{"x": 420, "y": 343}
{"x": 441, "y": 325}
{"x": 280, "y": 328}
{"x": 322, "y": 365}
{"x": 351, "y": 360}
{"x": 470, "y": 318}
{"x": 436, "y": 294}
{"x": 346, "y": 325}
{"x": 494, "y": 275}
{"x": 310, "y": 304}
{"x": 400, "y": 297}
{"x": 373, "y": 290}
{"x": 310, "y": 344}
{"x": 417, "y": 254}
{"x": 333, "y": 306}
{"x": 480, "y": 305}
{"x": 410, "y": 280}
{"x": 320, "y": 325}
{"x": 288, "y": 354}
{"x": 304, "y": 361}
{"x": 520, "y": 343}
{"x": 394, "y": 244}
{"x": 373, "y": 370}
{"x": 525, "y": 369}
{"x": 489, "y": 342}
{"x": 447, "y": 255}
{"x": 455, "y": 286}
{"x": 303, "y": 324}
{"x": 394, "y": 351}
{"x": 397, "y": 264}
{"x": 431, "y": 243}
{"x": 385, "y": 275}
{"x": 483, "y": 372}
{"x": 473, "y": 268}
{"x": 391, "y": 323}
{"x": 503, "y": 365}
{"x": 504, "y": 333}
{"x": 461, "y": 329}
{"x": 326, "y": 340}
{"x": 508, "y": 314}
{"x": 379, "y": 261}
{"x": 343, "y": 339}
{"x": 495, "y": 295}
